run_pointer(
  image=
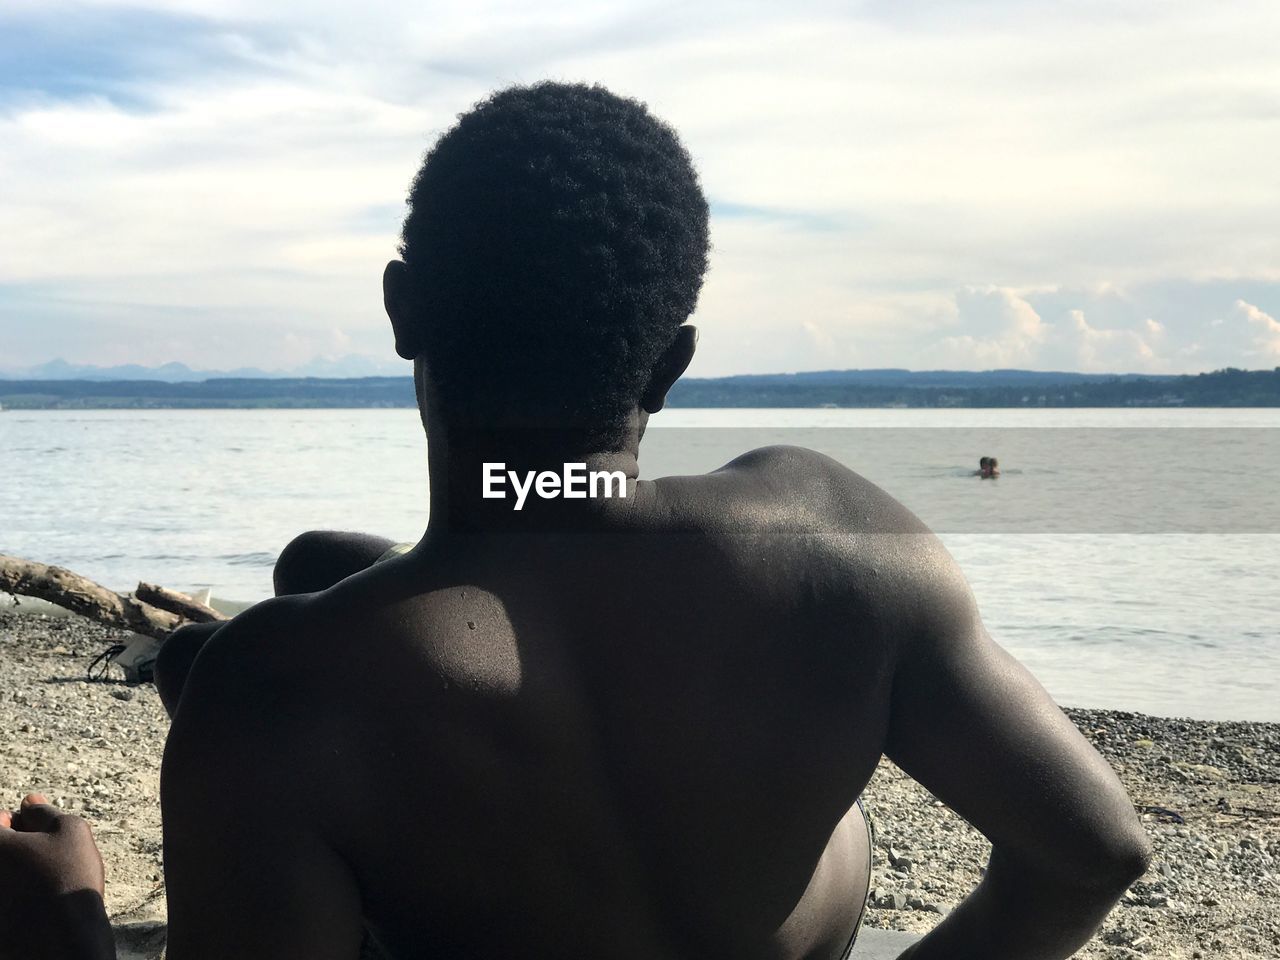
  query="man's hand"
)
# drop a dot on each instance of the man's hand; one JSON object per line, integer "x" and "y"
{"x": 51, "y": 885}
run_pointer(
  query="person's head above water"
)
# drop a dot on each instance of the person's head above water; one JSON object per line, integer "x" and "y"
{"x": 556, "y": 241}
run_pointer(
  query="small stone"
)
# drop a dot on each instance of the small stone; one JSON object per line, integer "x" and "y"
{"x": 1197, "y": 771}
{"x": 122, "y": 693}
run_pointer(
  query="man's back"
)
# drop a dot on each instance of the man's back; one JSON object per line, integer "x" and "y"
{"x": 606, "y": 729}
{"x": 644, "y": 738}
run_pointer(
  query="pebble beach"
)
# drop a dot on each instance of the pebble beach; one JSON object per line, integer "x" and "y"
{"x": 1208, "y": 794}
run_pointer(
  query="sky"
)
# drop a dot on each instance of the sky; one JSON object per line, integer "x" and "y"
{"x": 960, "y": 184}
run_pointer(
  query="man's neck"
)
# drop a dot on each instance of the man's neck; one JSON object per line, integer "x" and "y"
{"x": 526, "y": 481}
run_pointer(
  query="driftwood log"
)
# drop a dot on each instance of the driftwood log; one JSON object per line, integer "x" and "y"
{"x": 81, "y": 595}
{"x": 186, "y": 607}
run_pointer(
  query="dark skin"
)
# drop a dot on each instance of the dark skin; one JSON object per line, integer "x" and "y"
{"x": 52, "y": 879}
{"x": 628, "y": 728}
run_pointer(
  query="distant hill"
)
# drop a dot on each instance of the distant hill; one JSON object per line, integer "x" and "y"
{"x": 223, "y": 392}
{"x": 989, "y": 388}
{"x": 352, "y": 365}
{"x": 896, "y": 377}
{"x": 834, "y": 388}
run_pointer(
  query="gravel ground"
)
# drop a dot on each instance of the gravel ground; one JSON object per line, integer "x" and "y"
{"x": 93, "y": 749}
{"x": 1209, "y": 795}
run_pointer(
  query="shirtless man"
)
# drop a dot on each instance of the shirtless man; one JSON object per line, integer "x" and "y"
{"x": 612, "y": 728}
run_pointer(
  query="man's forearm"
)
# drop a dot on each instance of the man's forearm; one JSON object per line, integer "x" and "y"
{"x": 1017, "y": 913}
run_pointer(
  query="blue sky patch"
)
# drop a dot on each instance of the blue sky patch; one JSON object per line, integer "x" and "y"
{"x": 119, "y": 55}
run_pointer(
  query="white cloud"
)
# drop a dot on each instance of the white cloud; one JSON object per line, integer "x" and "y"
{"x": 1264, "y": 328}
{"x": 1003, "y": 329}
{"x": 997, "y": 149}
{"x": 1104, "y": 350}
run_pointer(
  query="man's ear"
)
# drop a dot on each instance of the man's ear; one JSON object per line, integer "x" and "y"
{"x": 673, "y": 362}
{"x": 397, "y": 297}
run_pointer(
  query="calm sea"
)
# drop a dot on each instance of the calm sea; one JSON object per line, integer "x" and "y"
{"x": 1130, "y": 558}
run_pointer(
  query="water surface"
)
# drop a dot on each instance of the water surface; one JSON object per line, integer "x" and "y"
{"x": 1129, "y": 557}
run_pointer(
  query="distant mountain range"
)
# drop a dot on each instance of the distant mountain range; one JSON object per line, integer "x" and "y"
{"x": 829, "y": 388}
{"x": 352, "y": 365}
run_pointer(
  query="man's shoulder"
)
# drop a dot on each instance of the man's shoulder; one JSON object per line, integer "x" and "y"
{"x": 788, "y": 460}
{"x": 263, "y": 693}
{"x": 805, "y": 487}
{"x": 278, "y": 617}
{"x": 793, "y": 517}
{"x": 263, "y": 656}
{"x": 231, "y": 698}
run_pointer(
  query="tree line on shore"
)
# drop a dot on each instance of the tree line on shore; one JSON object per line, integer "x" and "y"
{"x": 848, "y": 388}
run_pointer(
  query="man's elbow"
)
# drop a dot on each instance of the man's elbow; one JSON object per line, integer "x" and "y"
{"x": 1123, "y": 859}
{"x": 1136, "y": 859}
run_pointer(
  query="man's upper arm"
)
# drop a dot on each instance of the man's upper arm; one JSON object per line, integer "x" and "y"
{"x": 247, "y": 872}
{"x": 974, "y": 727}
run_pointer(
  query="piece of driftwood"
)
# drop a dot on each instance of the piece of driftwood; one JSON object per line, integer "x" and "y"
{"x": 186, "y": 607}
{"x": 81, "y": 595}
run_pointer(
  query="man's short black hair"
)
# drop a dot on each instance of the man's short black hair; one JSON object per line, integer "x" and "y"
{"x": 556, "y": 239}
